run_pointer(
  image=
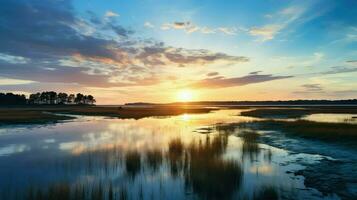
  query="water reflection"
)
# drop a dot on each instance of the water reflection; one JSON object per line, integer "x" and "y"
{"x": 151, "y": 158}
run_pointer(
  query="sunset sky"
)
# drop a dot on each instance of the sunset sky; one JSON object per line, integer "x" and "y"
{"x": 163, "y": 50}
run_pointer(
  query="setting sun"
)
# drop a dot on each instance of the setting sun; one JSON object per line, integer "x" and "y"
{"x": 185, "y": 95}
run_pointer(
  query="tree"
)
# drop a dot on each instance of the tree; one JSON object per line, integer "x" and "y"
{"x": 79, "y": 98}
{"x": 52, "y": 97}
{"x": 90, "y": 99}
{"x": 34, "y": 98}
{"x": 12, "y": 99}
{"x": 71, "y": 98}
{"x": 62, "y": 98}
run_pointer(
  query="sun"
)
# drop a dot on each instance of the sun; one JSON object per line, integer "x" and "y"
{"x": 185, "y": 95}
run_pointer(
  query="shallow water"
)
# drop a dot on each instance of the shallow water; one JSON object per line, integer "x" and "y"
{"x": 191, "y": 156}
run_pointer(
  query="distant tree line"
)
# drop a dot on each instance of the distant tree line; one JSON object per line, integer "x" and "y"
{"x": 12, "y": 99}
{"x": 47, "y": 98}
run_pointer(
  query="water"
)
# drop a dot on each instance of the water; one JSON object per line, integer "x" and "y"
{"x": 191, "y": 156}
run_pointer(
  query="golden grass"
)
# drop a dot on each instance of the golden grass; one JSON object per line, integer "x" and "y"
{"x": 297, "y": 112}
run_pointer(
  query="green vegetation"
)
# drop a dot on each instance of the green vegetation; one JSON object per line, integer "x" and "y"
{"x": 309, "y": 129}
{"x": 296, "y": 112}
{"x": 28, "y": 116}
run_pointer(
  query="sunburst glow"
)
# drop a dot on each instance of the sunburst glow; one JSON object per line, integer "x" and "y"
{"x": 185, "y": 95}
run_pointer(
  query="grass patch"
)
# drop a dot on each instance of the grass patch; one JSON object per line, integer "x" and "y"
{"x": 297, "y": 112}
{"x": 29, "y": 117}
{"x": 312, "y": 130}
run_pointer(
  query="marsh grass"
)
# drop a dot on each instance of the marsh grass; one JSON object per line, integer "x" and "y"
{"x": 133, "y": 163}
{"x": 296, "y": 112}
{"x": 312, "y": 130}
{"x": 250, "y": 146}
{"x": 208, "y": 174}
{"x": 24, "y": 117}
{"x": 154, "y": 159}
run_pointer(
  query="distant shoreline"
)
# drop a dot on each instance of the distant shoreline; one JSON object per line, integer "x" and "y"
{"x": 347, "y": 102}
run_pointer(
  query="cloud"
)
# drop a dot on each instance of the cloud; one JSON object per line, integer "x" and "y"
{"x": 267, "y": 32}
{"x": 189, "y": 27}
{"x": 295, "y": 14}
{"x": 149, "y": 25}
{"x": 55, "y": 45}
{"x": 222, "y": 82}
{"x": 351, "y": 61}
{"x": 110, "y": 13}
{"x": 169, "y": 56}
{"x": 339, "y": 70}
{"x": 255, "y": 72}
{"x": 13, "y": 59}
{"x": 228, "y": 31}
{"x": 7, "y": 81}
{"x": 310, "y": 89}
{"x": 212, "y": 74}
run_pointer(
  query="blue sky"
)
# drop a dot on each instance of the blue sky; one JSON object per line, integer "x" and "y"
{"x": 150, "y": 50}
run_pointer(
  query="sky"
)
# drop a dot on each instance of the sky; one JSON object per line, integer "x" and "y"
{"x": 124, "y": 51}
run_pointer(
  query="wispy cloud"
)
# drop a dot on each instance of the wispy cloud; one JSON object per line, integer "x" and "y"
{"x": 311, "y": 88}
{"x": 189, "y": 27}
{"x": 280, "y": 21}
{"x": 222, "y": 82}
{"x": 110, "y": 13}
{"x": 267, "y": 32}
{"x": 212, "y": 74}
{"x": 149, "y": 25}
{"x": 339, "y": 70}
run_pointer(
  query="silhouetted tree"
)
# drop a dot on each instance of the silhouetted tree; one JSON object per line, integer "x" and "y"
{"x": 12, "y": 99}
{"x": 62, "y": 98}
{"x": 48, "y": 97}
{"x": 79, "y": 98}
{"x": 91, "y": 99}
{"x": 34, "y": 98}
{"x": 71, "y": 98}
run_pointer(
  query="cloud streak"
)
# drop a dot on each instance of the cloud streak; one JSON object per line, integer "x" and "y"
{"x": 189, "y": 27}
{"x": 223, "y": 82}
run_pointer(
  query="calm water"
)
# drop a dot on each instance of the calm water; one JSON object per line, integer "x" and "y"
{"x": 181, "y": 157}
